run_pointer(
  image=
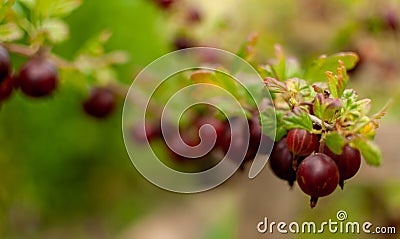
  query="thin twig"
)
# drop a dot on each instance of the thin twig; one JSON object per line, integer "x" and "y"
{"x": 21, "y": 49}
{"x": 318, "y": 121}
{"x": 62, "y": 63}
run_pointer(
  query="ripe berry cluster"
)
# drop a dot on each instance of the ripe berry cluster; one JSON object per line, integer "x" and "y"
{"x": 234, "y": 138}
{"x": 318, "y": 171}
{"x": 323, "y": 128}
{"x": 39, "y": 77}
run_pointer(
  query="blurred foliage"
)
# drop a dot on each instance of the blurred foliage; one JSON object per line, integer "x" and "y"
{"x": 65, "y": 174}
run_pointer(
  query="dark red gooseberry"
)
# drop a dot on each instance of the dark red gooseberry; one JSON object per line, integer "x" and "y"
{"x": 182, "y": 42}
{"x": 38, "y": 77}
{"x": 180, "y": 146}
{"x": 208, "y": 133}
{"x": 193, "y": 15}
{"x": 297, "y": 161}
{"x": 236, "y": 139}
{"x": 255, "y": 130}
{"x": 164, "y": 4}
{"x": 146, "y": 132}
{"x": 257, "y": 137}
{"x": 392, "y": 20}
{"x": 5, "y": 63}
{"x": 6, "y": 88}
{"x": 257, "y": 142}
{"x": 348, "y": 162}
{"x": 101, "y": 103}
{"x": 301, "y": 142}
{"x": 317, "y": 176}
{"x": 266, "y": 144}
{"x": 281, "y": 162}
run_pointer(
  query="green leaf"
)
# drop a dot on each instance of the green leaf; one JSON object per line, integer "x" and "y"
{"x": 10, "y": 32}
{"x": 272, "y": 123}
{"x": 253, "y": 94}
{"x": 342, "y": 79}
{"x": 369, "y": 150}
{"x": 337, "y": 83}
{"x": 316, "y": 71}
{"x": 318, "y": 106}
{"x": 30, "y": 4}
{"x": 105, "y": 75}
{"x": 332, "y": 84}
{"x": 326, "y": 109}
{"x": 62, "y": 8}
{"x": 6, "y": 9}
{"x": 368, "y": 131}
{"x": 265, "y": 71}
{"x": 95, "y": 46}
{"x": 246, "y": 51}
{"x": 226, "y": 82}
{"x": 350, "y": 94}
{"x": 298, "y": 120}
{"x": 55, "y": 8}
{"x": 335, "y": 142}
{"x": 280, "y": 66}
{"x": 275, "y": 86}
{"x": 57, "y": 30}
{"x": 293, "y": 68}
{"x": 218, "y": 78}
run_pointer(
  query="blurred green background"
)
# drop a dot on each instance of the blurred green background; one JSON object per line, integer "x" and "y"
{"x": 65, "y": 175}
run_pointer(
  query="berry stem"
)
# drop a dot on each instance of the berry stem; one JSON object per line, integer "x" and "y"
{"x": 23, "y": 50}
{"x": 322, "y": 144}
{"x": 62, "y": 63}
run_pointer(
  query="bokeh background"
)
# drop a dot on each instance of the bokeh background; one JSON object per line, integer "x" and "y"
{"x": 65, "y": 175}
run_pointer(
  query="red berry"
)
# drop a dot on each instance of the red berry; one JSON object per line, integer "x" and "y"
{"x": 6, "y": 88}
{"x": 235, "y": 140}
{"x": 317, "y": 176}
{"x": 182, "y": 42}
{"x": 164, "y": 4}
{"x": 38, "y": 77}
{"x": 237, "y": 137}
{"x": 348, "y": 162}
{"x": 208, "y": 132}
{"x": 146, "y": 132}
{"x": 193, "y": 16}
{"x": 5, "y": 63}
{"x": 101, "y": 103}
{"x": 257, "y": 138}
{"x": 392, "y": 20}
{"x": 180, "y": 146}
{"x": 281, "y": 162}
{"x": 301, "y": 142}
